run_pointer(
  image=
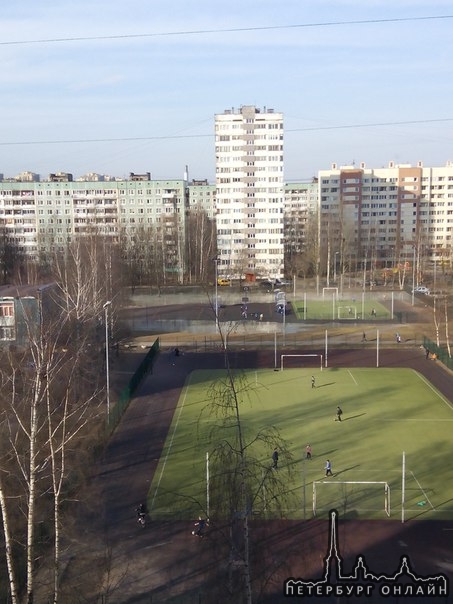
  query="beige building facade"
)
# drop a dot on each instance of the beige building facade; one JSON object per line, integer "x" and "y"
{"x": 386, "y": 216}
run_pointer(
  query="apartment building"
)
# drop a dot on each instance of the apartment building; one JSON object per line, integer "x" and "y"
{"x": 24, "y": 309}
{"x": 365, "y": 216}
{"x": 301, "y": 205}
{"x": 249, "y": 192}
{"x": 39, "y": 216}
{"x": 385, "y": 215}
{"x": 202, "y": 197}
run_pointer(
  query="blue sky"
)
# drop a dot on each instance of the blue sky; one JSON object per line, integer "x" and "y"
{"x": 164, "y": 87}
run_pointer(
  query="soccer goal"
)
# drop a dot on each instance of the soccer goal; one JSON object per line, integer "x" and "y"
{"x": 300, "y": 356}
{"x": 347, "y": 312}
{"x": 362, "y": 496}
{"x": 331, "y": 291}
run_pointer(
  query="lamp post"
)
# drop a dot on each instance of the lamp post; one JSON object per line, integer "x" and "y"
{"x": 335, "y": 267}
{"x": 216, "y": 264}
{"x": 107, "y": 372}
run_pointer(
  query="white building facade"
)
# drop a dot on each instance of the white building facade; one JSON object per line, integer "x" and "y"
{"x": 249, "y": 192}
{"x": 367, "y": 217}
{"x": 386, "y": 216}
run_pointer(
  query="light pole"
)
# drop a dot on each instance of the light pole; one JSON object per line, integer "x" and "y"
{"x": 216, "y": 263}
{"x": 107, "y": 373}
{"x": 335, "y": 267}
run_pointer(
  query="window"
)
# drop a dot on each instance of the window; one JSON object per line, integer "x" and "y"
{"x": 7, "y": 333}
{"x": 6, "y": 309}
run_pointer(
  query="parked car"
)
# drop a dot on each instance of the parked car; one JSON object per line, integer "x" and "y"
{"x": 421, "y": 289}
{"x": 270, "y": 284}
{"x": 266, "y": 284}
{"x": 222, "y": 281}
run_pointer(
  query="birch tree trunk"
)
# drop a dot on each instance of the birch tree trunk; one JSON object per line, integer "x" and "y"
{"x": 47, "y": 392}
{"x": 63, "y": 424}
{"x": 24, "y": 428}
{"x": 32, "y": 478}
{"x": 436, "y": 321}
{"x": 447, "y": 333}
{"x": 8, "y": 546}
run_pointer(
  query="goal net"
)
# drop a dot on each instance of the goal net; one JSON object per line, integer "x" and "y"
{"x": 292, "y": 361}
{"x": 347, "y": 312}
{"x": 359, "y": 496}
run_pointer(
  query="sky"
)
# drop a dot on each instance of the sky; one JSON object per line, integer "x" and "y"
{"x": 118, "y": 87}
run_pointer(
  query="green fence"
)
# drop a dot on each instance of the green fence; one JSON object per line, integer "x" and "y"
{"x": 128, "y": 392}
{"x": 441, "y": 353}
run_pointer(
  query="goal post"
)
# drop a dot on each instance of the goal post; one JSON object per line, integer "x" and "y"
{"x": 330, "y": 290}
{"x": 287, "y": 356}
{"x": 369, "y": 496}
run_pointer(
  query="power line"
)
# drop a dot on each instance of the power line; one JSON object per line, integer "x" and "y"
{"x": 402, "y": 123}
{"x": 197, "y": 32}
{"x": 107, "y": 140}
{"x": 187, "y": 136}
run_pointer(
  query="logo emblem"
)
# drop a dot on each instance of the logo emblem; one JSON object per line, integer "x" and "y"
{"x": 362, "y": 582}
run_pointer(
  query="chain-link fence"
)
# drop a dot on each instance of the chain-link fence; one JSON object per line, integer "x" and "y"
{"x": 435, "y": 352}
{"x": 128, "y": 391}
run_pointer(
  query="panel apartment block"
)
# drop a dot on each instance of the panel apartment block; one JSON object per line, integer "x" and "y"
{"x": 386, "y": 215}
{"x": 43, "y": 216}
{"x": 249, "y": 191}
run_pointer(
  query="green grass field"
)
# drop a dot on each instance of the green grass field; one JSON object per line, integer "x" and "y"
{"x": 386, "y": 412}
{"x": 329, "y": 309}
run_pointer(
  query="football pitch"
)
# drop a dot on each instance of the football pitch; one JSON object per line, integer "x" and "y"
{"x": 341, "y": 308}
{"x": 385, "y": 412}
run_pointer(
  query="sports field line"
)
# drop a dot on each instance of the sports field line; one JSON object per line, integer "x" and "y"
{"x": 171, "y": 441}
{"x": 369, "y": 470}
{"x": 442, "y": 398}
{"x": 353, "y": 378}
{"x": 422, "y": 490}
{"x": 413, "y": 419}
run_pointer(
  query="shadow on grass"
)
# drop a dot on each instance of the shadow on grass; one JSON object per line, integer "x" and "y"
{"x": 326, "y": 453}
{"x": 352, "y": 417}
{"x": 336, "y": 474}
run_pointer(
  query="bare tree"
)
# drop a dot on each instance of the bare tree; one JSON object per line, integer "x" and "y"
{"x": 200, "y": 245}
{"x": 67, "y": 417}
{"x": 48, "y": 391}
{"x": 150, "y": 255}
{"x": 82, "y": 277}
{"x": 7, "y": 532}
{"x": 12, "y": 258}
{"x": 38, "y": 439}
{"x": 241, "y": 479}
{"x": 447, "y": 333}
{"x": 436, "y": 320}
